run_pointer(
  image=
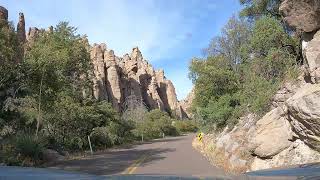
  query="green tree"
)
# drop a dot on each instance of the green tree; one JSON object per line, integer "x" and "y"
{"x": 233, "y": 35}
{"x": 56, "y": 63}
{"x": 254, "y": 9}
{"x": 213, "y": 78}
{"x": 11, "y": 80}
{"x": 238, "y": 78}
{"x": 267, "y": 34}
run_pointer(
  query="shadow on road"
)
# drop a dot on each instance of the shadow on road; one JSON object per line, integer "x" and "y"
{"x": 130, "y": 146}
{"x": 114, "y": 161}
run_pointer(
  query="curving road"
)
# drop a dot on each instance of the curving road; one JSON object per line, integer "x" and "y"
{"x": 169, "y": 156}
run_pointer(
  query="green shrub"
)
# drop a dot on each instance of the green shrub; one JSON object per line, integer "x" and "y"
{"x": 23, "y": 150}
{"x": 8, "y": 155}
{"x": 186, "y": 126}
{"x": 100, "y": 137}
{"x": 154, "y": 125}
{"x": 114, "y": 134}
{"x": 169, "y": 130}
{"x": 71, "y": 122}
{"x": 29, "y": 146}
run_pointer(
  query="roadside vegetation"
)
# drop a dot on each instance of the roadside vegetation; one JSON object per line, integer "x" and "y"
{"x": 46, "y": 101}
{"x": 244, "y": 66}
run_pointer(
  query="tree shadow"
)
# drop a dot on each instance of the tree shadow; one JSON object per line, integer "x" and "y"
{"x": 135, "y": 144}
{"x": 113, "y": 162}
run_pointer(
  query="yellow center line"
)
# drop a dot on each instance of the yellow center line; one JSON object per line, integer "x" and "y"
{"x": 131, "y": 169}
{"x": 138, "y": 164}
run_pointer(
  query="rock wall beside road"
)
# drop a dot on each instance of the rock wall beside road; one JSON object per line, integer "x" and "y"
{"x": 289, "y": 133}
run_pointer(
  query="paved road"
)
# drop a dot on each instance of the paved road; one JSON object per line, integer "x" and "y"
{"x": 169, "y": 156}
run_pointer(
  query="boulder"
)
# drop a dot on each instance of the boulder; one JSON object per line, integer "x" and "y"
{"x": 304, "y": 114}
{"x": 301, "y": 14}
{"x": 297, "y": 153}
{"x": 272, "y": 123}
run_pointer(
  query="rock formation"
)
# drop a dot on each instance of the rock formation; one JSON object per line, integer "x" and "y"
{"x": 311, "y": 52}
{"x": 21, "y": 35}
{"x": 113, "y": 79}
{"x": 290, "y": 133}
{"x": 186, "y": 104}
{"x": 33, "y": 33}
{"x": 303, "y": 110}
{"x": 21, "y": 31}
{"x": 301, "y": 14}
{"x": 99, "y": 79}
{"x": 116, "y": 78}
{"x": 3, "y": 14}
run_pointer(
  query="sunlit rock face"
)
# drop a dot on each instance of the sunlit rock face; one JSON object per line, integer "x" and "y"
{"x": 99, "y": 79}
{"x": 116, "y": 78}
{"x": 186, "y": 104}
{"x": 301, "y": 14}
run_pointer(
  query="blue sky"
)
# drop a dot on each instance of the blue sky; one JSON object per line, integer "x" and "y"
{"x": 168, "y": 32}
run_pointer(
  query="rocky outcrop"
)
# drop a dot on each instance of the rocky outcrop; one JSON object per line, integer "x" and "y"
{"x": 186, "y": 104}
{"x": 287, "y": 135}
{"x": 290, "y": 133}
{"x": 272, "y": 123}
{"x": 304, "y": 114}
{"x": 297, "y": 153}
{"x": 99, "y": 79}
{"x": 21, "y": 31}
{"x": 171, "y": 95}
{"x": 311, "y": 52}
{"x": 116, "y": 78}
{"x": 33, "y": 33}
{"x": 113, "y": 79}
{"x": 21, "y": 35}
{"x": 301, "y": 14}
{"x": 3, "y": 14}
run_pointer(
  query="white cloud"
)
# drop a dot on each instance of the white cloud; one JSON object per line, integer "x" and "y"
{"x": 122, "y": 24}
{"x": 162, "y": 29}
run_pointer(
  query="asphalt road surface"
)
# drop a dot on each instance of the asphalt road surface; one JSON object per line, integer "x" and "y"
{"x": 170, "y": 156}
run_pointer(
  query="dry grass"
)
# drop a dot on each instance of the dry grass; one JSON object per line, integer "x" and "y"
{"x": 218, "y": 157}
